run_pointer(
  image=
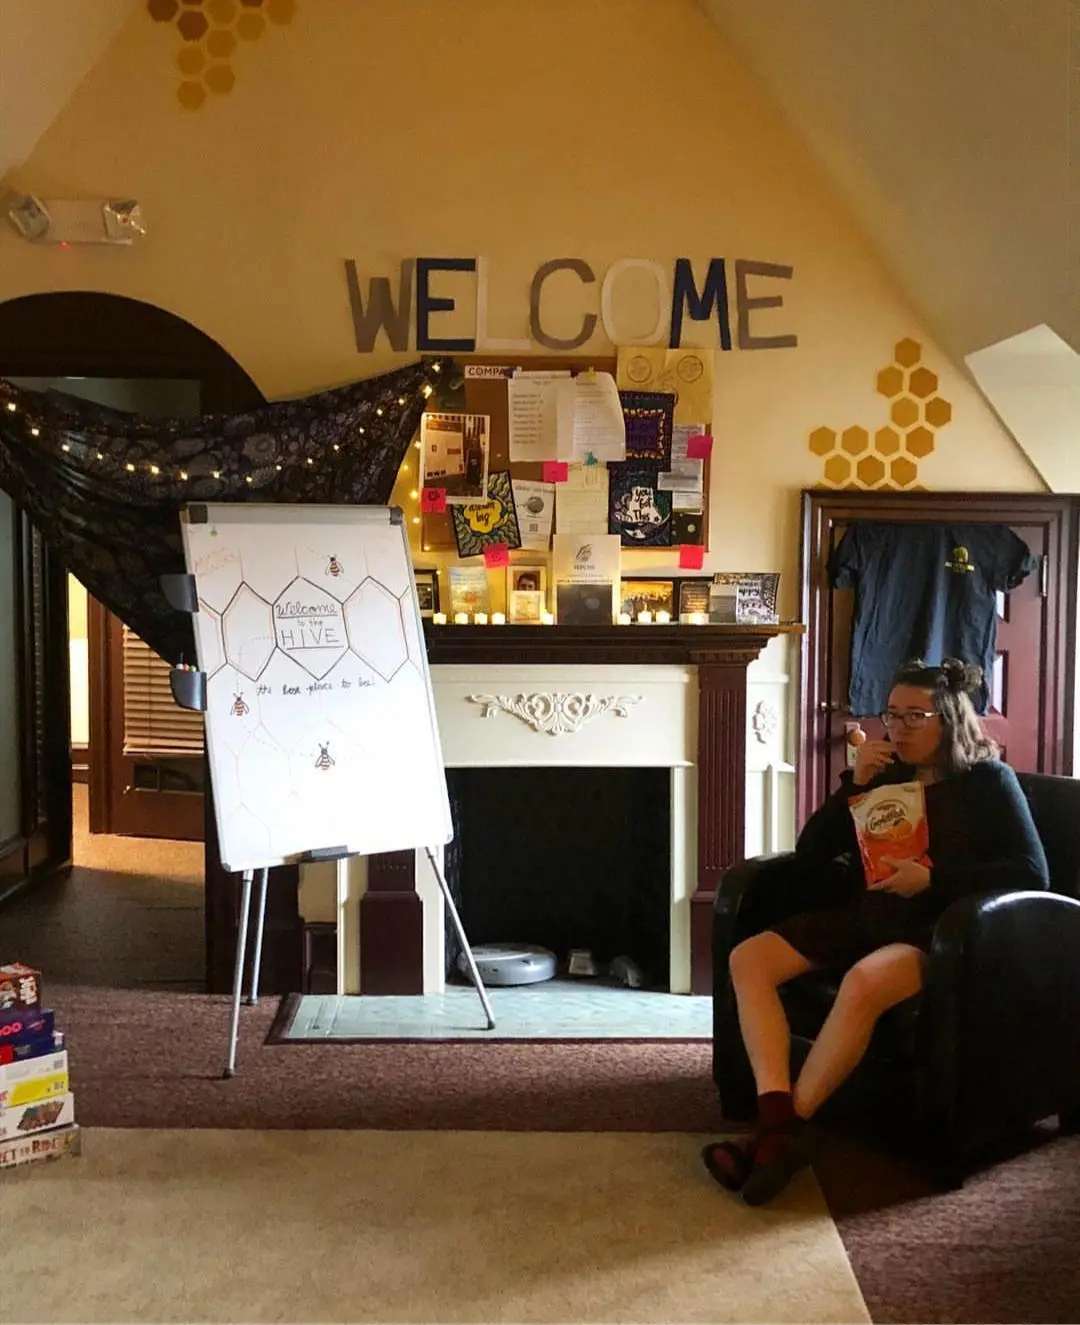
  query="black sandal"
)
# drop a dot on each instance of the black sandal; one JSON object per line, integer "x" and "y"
{"x": 733, "y": 1174}
{"x": 768, "y": 1180}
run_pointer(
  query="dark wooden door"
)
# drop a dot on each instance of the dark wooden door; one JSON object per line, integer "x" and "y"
{"x": 1030, "y": 713}
{"x": 147, "y": 761}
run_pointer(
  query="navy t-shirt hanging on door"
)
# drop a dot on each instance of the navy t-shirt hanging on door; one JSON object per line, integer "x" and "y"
{"x": 923, "y": 591}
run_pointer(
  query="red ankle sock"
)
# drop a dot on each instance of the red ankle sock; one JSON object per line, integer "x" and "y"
{"x": 778, "y": 1125}
{"x": 776, "y": 1109}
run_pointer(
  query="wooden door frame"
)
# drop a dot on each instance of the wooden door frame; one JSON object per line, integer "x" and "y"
{"x": 823, "y": 508}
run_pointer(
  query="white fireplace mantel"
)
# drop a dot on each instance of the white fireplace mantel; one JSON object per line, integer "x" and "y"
{"x": 575, "y": 715}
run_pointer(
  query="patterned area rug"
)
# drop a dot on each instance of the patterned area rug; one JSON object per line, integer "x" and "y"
{"x": 555, "y": 1010}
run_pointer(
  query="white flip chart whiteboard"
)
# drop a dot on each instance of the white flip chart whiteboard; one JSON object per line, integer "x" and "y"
{"x": 320, "y": 721}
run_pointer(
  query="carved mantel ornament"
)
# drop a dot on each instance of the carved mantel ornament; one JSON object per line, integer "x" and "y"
{"x": 555, "y": 713}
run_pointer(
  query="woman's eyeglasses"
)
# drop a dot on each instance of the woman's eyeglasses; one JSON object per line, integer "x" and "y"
{"x": 910, "y": 718}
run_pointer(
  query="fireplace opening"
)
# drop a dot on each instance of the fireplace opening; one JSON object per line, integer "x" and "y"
{"x": 567, "y": 859}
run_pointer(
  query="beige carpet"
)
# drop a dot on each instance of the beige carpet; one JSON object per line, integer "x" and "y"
{"x": 422, "y": 1226}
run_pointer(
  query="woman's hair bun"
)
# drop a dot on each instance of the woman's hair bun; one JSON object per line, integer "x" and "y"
{"x": 961, "y": 677}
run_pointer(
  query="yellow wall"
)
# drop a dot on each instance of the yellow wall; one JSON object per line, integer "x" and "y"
{"x": 516, "y": 130}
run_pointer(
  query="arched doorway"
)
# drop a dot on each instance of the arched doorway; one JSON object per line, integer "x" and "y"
{"x": 102, "y": 339}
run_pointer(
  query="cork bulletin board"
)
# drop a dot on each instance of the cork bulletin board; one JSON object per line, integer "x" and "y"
{"x": 480, "y": 395}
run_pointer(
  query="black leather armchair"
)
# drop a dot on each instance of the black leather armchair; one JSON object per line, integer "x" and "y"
{"x": 990, "y": 1046}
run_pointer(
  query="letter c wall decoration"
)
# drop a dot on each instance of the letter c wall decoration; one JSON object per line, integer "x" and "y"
{"x": 587, "y": 276}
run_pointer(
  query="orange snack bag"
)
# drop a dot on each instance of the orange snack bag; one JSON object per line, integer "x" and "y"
{"x": 890, "y": 822}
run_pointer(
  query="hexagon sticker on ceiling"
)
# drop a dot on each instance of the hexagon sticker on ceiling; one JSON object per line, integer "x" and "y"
{"x": 887, "y": 457}
{"x": 212, "y": 32}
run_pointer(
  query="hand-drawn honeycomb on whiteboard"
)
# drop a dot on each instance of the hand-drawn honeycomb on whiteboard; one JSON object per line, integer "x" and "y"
{"x": 310, "y": 691}
{"x": 887, "y": 457}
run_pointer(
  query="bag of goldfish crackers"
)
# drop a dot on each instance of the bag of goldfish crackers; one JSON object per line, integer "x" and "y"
{"x": 890, "y": 824}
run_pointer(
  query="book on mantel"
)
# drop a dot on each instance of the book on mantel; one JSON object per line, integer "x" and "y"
{"x": 586, "y": 573}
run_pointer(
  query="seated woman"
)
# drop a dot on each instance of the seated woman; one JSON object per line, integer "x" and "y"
{"x": 982, "y": 838}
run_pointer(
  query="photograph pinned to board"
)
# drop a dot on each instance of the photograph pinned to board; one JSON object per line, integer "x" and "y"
{"x": 535, "y": 506}
{"x": 585, "y": 570}
{"x": 427, "y": 590}
{"x": 647, "y": 595}
{"x": 687, "y": 374}
{"x": 469, "y": 591}
{"x": 526, "y": 594}
{"x": 637, "y": 510}
{"x": 648, "y": 425}
{"x": 744, "y": 599}
{"x": 483, "y": 524}
{"x": 454, "y": 452}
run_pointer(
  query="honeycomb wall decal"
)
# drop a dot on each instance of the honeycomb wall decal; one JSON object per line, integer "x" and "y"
{"x": 211, "y": 32}
{"x": 888, "y": 457}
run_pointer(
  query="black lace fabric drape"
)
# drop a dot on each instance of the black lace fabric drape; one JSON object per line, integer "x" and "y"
{"x": 105, "y": 489}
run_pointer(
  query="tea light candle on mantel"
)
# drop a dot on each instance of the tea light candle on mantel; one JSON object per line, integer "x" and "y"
{"x": 546, "y": 618}
{"x": 438, "y": 618}
{"x": 624, "y": 618}
{"x": 699, "y": 618}
{"x": 644, "y": 618}
{"x": 663, "y": 618}
{"x": 461, "y": 618}
{"x": 498, "y": 618}
{"x": 480, "y": 619}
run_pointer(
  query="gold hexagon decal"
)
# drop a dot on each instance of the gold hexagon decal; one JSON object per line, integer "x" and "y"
{"x": 190, "y": 60}
{"x": 837, "y": 469}
{"x": 890, "y": 381}
{"x": 822, "y": 441}
{"x": 937, "y": 412}
{"x": 854, "y": 441}
{"x": 919, "y": 442}
{"x": 249, "y": 26}
{"x": 870, "y": 470}
{"x": 907, "y": 352}
{"x": 904, "y": 412}
{"x": 220, "y": 45}
{"x": 902, "y": 471}
{"x": 886, "y": 441}
{"x": 922, "y": 383}
{"x": 191, "y": 95}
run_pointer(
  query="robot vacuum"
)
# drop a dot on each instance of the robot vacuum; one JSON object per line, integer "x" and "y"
{"x": 510, "y": 964}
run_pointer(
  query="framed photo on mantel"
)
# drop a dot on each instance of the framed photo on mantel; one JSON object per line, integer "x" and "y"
{"x": 744, "y": 599}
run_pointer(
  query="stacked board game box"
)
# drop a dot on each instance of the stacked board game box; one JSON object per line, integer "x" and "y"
{"x": 37, "y": 1108}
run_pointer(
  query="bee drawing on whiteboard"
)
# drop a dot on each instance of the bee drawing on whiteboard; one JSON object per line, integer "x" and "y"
{"x": 325, "y": 760}
{"x": 239, "y": 707}
{"x": 334, "y": 568}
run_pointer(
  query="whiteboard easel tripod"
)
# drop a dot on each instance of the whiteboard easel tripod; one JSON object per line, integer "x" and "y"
{"x": 321, "y": 732}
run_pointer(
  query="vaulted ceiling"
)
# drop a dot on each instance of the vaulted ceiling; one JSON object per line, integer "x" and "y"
{"x": 47, "y": 47}
{"x": 945, "y": 125}
{"x": 950, "y": 128}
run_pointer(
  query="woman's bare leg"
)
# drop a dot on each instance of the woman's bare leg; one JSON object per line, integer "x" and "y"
{"x": 872, "y": 986}
{"x": 759, "y": 965}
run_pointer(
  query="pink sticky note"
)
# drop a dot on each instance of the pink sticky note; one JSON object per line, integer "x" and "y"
{"x": 691, "y": 557}
{"x": 699, "y": 447}
{"x": 495, "y": 555}
{"x": 556, "y": 471}
{"x": 433, "y": 501}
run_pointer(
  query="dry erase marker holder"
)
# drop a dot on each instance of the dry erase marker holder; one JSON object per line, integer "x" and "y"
{"x": 188, "y": 686}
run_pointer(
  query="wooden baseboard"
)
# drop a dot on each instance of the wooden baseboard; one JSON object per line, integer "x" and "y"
{"x": 80, "y": 763}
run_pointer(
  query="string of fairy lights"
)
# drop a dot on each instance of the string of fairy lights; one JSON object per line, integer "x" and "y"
{"x": 177, "y": 474}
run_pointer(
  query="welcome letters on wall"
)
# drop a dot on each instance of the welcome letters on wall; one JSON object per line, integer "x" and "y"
{"x": 414, "y": 302}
